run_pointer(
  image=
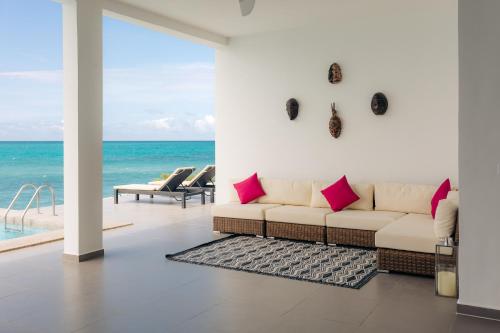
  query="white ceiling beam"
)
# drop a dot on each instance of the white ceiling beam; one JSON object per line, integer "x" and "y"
{"x": 132, "y": 14}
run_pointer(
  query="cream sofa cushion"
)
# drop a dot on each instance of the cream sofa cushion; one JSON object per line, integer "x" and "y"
{"x": 286, "y": 192}
{"x": 453, "y": 196}
{"x": 412, "y": 232}
{"x": 407, "y": 198}
{"x": 233, "y": 195}
{"x": 251, "y": 211}
{"x": 364, "y": 192}
{"x": 360, "y": 219}
{"x": 298, "y": 215}
{"x": 446, "y": 217}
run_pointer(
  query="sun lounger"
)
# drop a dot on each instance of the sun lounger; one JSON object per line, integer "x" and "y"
{"x": 171, "y": 187}
{"x": 203, "y": 180}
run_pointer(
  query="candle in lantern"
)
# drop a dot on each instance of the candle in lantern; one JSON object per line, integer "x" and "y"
{"x": 447, "y": 283}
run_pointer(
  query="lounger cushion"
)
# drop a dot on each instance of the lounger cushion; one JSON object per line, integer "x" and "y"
{"x": 157, "y": 182}
{"x": 298, "y": 215}
{"x": 141, "y": 187}
{"x": 412, "y": 232}
{"x": 364, "y": 192}
{"x": 362, "y": 219}
{"x": 407, "y": 198}
{"x": 286, "y": 192}
{"x": 250, "y": 211}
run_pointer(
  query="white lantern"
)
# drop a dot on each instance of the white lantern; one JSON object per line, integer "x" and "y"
{"x": 446, "y": 279}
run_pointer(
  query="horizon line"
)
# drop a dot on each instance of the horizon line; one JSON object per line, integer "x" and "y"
{"x": 210, "y": 140}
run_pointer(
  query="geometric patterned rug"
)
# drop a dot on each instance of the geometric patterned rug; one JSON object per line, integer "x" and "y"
{"x": 334, "y": 265}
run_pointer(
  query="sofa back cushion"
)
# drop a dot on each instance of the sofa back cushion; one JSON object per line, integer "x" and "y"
{"x": 364, "y": 192}
{"x": 453, "y": 195}
{"x": 233, "y": 195}
{"x": 406, "y": 198}
{"x": 446, "y": 217}
{"x": 286, "y": 192}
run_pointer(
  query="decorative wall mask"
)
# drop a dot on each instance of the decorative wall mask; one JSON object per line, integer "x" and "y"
{"x": 335, "y": 123}
{"x": 292, "y": 108}
{"x": 379, "y": 103}
{"x": 334, "y": 73}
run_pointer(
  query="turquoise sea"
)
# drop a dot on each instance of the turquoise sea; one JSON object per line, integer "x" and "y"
{"x": 125, "y": 162}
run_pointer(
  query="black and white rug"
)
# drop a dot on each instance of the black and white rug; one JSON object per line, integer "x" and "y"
{"x": 335, "y": 265}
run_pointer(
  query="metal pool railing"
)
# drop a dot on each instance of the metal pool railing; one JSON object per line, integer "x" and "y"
{"x": 35, "y": 196}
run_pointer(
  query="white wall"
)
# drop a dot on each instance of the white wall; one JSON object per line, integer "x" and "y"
{"x": 479, "y": 28}
{"x": 406, "y": 49}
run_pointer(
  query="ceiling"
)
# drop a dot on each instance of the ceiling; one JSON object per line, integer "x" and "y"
{"x": 223, "y": 16}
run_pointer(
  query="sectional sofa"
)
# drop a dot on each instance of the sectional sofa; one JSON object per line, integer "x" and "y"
{"x": 394, "y": 218}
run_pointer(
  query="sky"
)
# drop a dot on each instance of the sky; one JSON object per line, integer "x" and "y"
{"x": 156, "y": 86}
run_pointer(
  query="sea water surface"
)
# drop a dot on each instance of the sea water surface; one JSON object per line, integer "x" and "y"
{"x": 124, "y": 162}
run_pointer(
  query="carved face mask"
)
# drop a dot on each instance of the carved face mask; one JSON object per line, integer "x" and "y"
{"x": 292, "y": 108}
{"x": 334, "y": 73}
{"x": 379, "y": 103}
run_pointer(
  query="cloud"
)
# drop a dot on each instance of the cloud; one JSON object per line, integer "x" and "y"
{"x": 57, "y": 126}
{"x": 54, "y": 76}
{"x": 155, "y": 102}
{"x": 160, "y": 124}
{"x": 33, "y": 130}
{"x": 155, "y": 81}
{"x": 205, "y": 124}
{"x": 150, "y": 86}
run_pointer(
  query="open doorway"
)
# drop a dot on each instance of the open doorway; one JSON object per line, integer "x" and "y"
{"x": 158, "y": 113}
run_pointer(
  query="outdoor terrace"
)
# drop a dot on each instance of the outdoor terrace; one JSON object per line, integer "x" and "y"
{"x": 133, "y": 288}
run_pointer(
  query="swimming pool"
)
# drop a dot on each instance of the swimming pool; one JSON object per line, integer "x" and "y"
{"x": 28, "y": 231}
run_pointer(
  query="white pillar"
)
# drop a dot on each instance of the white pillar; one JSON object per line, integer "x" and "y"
{"x": 479, "y": 158}
{"x": 82, "y": 59}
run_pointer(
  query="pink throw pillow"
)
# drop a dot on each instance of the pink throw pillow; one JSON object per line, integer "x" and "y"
{"x": 339, "y": 195}
{"x": 249, "y": 189}
{"x": 441, "y": 193}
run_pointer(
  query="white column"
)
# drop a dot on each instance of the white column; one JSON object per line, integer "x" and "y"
{"x": 479, "y": 158}
{"x": 82, "y": 58}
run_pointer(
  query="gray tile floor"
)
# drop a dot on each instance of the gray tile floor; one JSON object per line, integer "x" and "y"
{"x": 135, "y": 289}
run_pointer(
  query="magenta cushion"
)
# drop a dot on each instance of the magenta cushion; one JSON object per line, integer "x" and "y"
{"x": 340, "y": 194}
{"x": 441, "y": 193}
{"x": 249, "y": 189}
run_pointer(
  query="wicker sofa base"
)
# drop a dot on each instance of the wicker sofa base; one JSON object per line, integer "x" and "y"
{"x": 406, "y": 261}
{"x": 304, "y": 232}
{"x": 343, "y": 236}
{"x": 387, "y": 259}
{"x": 239, "y": 226}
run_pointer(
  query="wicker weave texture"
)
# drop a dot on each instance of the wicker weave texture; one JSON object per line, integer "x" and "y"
{"x": 311, "y": 233}
{"x": 239, "y": 226}
{"x": 343, "y": 236}
{"x": 406, "y": 261}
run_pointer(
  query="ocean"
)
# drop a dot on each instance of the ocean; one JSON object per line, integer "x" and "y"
{"x": 125, "y": 162}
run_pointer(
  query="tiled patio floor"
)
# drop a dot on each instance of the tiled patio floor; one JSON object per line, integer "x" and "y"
{"x": 135, "y": 289}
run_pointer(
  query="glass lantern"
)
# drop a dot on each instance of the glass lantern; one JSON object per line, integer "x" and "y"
{"x": 446, "y": 278}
